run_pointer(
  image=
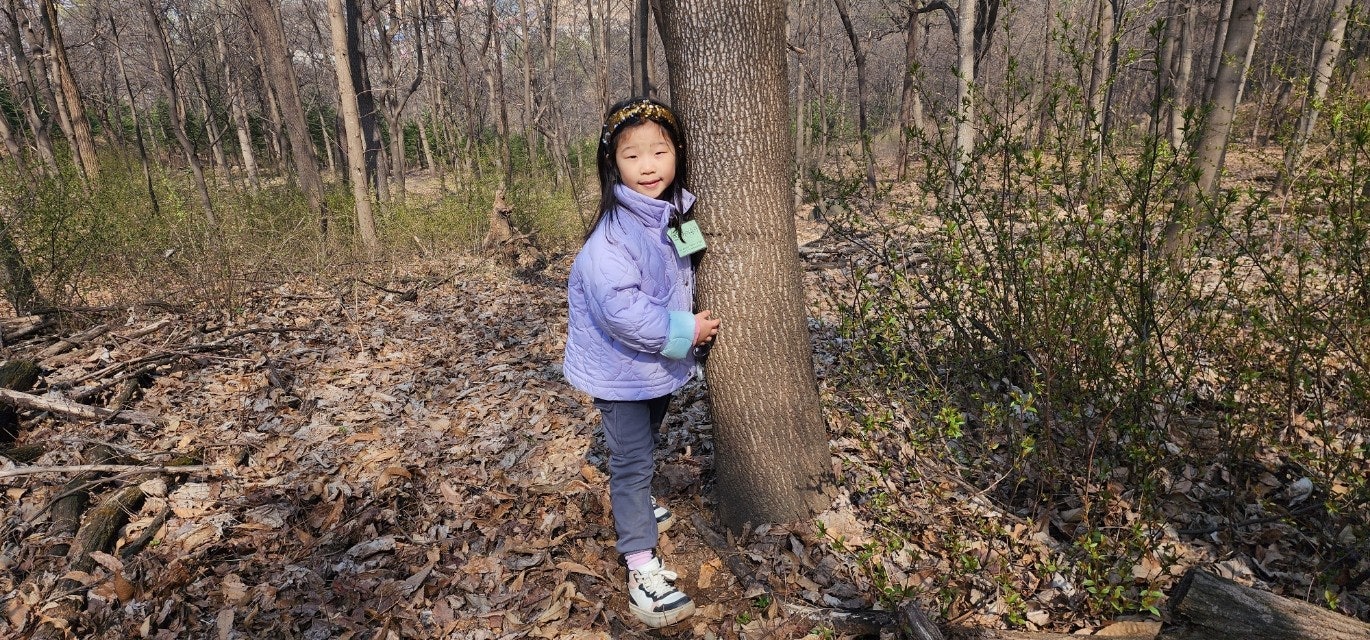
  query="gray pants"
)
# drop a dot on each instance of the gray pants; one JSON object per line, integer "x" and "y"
{"x": 631, "y": 429}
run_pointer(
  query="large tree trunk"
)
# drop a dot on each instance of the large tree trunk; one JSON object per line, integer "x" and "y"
{"x": 728, "y": 82}
{"x": 1317, "y": 89}
{"x": 292, "y": 110}
{"x": 71, "y": 95}
{"x": 863, "y": 128}
{"x": 352, "y": 126}
{"x": 965, "y": 84}
{"x": 167, "y": 71}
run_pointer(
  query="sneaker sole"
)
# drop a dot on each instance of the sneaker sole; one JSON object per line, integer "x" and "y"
{"x": 663, "y": 525}
{"x": 658, "y": 619}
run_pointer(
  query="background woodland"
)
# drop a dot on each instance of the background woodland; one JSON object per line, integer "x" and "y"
{"x": 1085, "y": 279}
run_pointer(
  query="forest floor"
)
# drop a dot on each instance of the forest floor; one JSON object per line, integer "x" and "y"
{"x": 398, "y": 456}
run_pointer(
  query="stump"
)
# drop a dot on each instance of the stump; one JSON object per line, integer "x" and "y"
{"x": 18, "y": 375}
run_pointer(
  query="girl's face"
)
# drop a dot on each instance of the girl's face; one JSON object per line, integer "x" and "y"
{"x": 645, "y": 157}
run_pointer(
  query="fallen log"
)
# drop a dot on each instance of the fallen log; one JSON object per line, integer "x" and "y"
{"x": 1211, "y": 608}
{"x": 62, "y": 406}
{"x": 72, "y": 500}
{"x": 24, "y": 454}
{"x": 71, "y": 342}
{"x": 97, "y": 534}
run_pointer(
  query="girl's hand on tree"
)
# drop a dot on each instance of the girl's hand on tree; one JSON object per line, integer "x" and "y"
{"x": 706, "y": 327}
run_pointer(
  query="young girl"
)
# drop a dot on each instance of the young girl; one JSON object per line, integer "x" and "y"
{"x": 631, "y": 328}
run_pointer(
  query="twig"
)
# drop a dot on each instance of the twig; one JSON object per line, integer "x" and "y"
{"x": 112, "y": 468}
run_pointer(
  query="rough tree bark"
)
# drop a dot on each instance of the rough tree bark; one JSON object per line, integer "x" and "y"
{"x": 282, "y": 77}
{"x": 71, "y": 95}
{"x": 728, "y": 83}
{"x": 352, "y": 126}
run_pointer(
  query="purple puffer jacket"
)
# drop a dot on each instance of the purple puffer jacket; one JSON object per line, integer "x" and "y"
{"x": 631, "y": 325}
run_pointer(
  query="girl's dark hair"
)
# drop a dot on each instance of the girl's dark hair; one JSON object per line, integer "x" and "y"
{"x": 621, "y": 117}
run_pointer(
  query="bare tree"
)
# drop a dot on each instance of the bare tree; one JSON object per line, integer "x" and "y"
{"x": 26, "y": 86}
{"x": 728, "y": 84}
{"x": 282, "y": 77}
{"x": 1213, "y": 138}
{"x": 167, "y": 70}
{"x": 965, "y": 85}
{"x": 1317, "y": 89}
{"x": 84, "y": 142}
{"x": 862, "y": 127}
{"x": 352, "y": 126}
{"x": 910, "y": 102}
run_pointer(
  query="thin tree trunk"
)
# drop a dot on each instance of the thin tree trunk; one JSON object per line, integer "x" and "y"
{"x": 1317, "y": 89}
{"x": 493, "y": 53}
{"x": 71, "y": 96}
{"x": 366, "y": 102}
{"x": 1215, "y": 58}
{"x": 167, "y": 71}
{"x": 137, "y": 122}
{"x": 1099, "y": 77}
{"x": 1250, "y": 53}
{"x": 1183, "y": 74}
{"x": 728, "y": 84}
{"x": 862, "y": 101}
{"x": 26, "y": 87}
{"x": 1218, "y": 126}
{"x": 237, "y": 109}
{"x": 910, "y": 102}
{"x": 801, "y": 82}
{"x": 292, "y": 110}
{"x": 272, "y": 107}
{"x": 965, "y": 83}
{"x": 352, "y": 127}
{"x": 216, "y": 146}
{"x": 1042, "y": 89}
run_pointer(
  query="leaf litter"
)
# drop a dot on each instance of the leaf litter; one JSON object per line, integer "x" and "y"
{"x": 419, "y": 469}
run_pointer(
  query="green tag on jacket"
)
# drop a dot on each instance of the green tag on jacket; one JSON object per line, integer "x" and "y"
{"x": 687, "y": 240}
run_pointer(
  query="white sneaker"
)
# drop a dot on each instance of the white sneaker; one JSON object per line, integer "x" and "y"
{"x": 664, "y": 517}
{"x": 653, "y": 598}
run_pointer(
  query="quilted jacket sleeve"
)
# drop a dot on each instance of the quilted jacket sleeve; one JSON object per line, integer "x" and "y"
{"x": 618, "y": 304}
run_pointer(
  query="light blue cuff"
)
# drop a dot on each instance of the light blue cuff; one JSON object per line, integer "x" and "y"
{"x": 681, "y": 335}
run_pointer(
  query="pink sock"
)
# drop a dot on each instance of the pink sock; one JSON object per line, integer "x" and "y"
{"x": 637, "y": 559}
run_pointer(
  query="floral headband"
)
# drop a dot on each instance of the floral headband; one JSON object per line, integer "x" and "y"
{"x": 641, "y": 109}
